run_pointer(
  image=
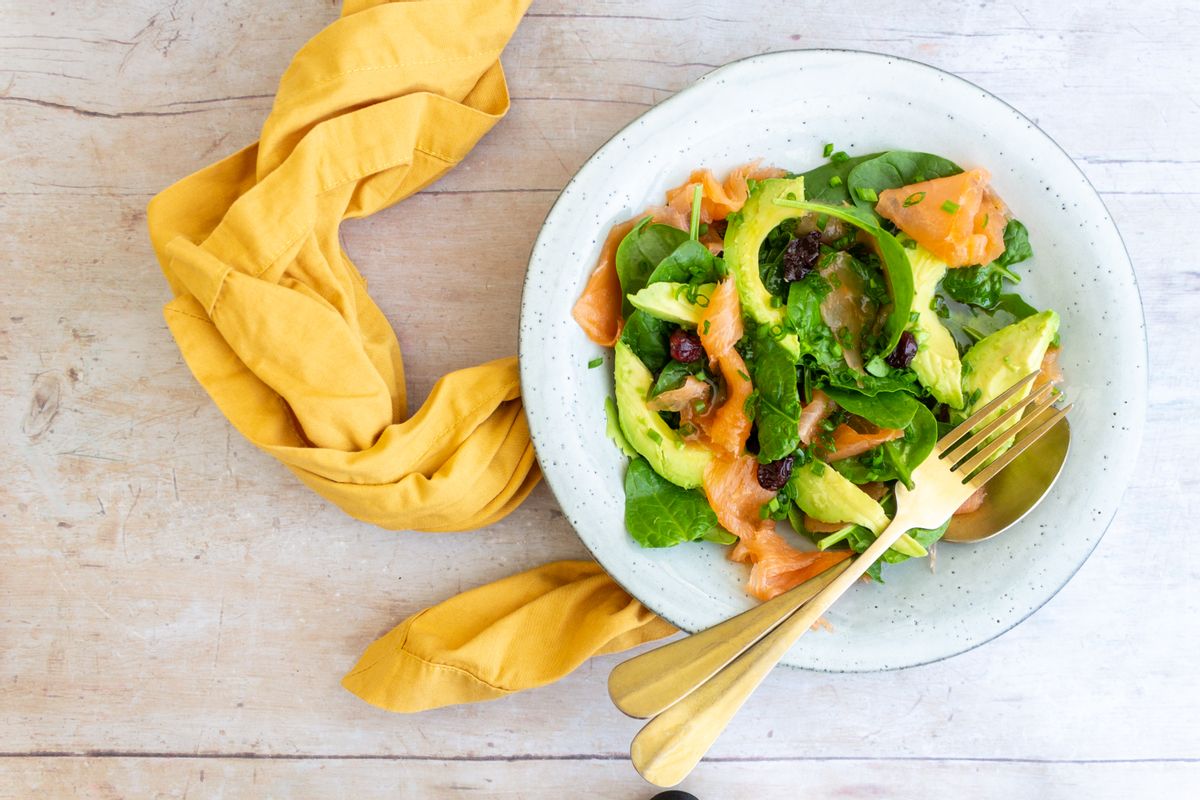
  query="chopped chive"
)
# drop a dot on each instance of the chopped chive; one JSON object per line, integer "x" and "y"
{"x": 700, "y": 406}
{"x": 839, "y": 157}
{"x": 867, "y": 194}
{"x": 776, "y": 301}
{"x": 983, "y": 225}
{"x": 828, "y": 151}
{"x": 913, "y": 199}
{"x": 707, "y": 323}
{"x": 818, "y": 468}
{"x": 836, "y": 180}
{"x": 949, "y": 206}
{"x": 973, "y": 333}
{"x": 822, "y": 221}
{"x": 595, "y": 362}
{"x": 694, "y": 230}
{"x": 744, "y": 376}
{"x": 654, "y": 436}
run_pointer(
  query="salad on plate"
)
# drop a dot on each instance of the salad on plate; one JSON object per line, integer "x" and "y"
{"x": 787, "y": 347}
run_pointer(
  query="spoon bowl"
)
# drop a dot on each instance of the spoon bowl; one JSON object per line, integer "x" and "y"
{"x": 1016, "y": 490}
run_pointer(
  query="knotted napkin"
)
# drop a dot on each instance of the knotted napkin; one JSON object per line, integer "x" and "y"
{"x": 276, "y": 324}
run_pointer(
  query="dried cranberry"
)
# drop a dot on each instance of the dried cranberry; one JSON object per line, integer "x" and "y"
{"x": 905, "y": 352}
{"x": 685, "y": 347}
{"x": 773, "y": 476}
{"x": 800, "y": 256}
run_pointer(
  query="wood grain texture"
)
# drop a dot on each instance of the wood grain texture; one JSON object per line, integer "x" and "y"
{"x": 176, "y": 610}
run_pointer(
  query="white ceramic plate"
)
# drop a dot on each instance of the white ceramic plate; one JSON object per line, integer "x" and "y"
{"x": 783, "y": 107}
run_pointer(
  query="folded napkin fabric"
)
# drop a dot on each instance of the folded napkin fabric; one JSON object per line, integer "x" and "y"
{"x": 276, "y": 324}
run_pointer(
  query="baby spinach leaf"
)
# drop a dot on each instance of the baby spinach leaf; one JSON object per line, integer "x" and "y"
{"x": 969, "y": 324}
{"x": 674, "y": 374}
{"x": 817, "y": 181}
{"x": 896, "y": 267}
{"x": 978, "y": 286}
{"x": 660, "y": 514}
{"x": 981, "y": 286}
{"x": 720, "y": 536}
{"x": 885, "y": 409}
{"x": 1016, "y": 244}
{"x": 920, "y": 435}
{"x": 894, "y": 169}
{"x": 804, "y": 314}
{"x": 647, "y": 336}
{"x": 642, "y": 249}
{"x": 690, "y": 262}
{"x": 778, "y": 416}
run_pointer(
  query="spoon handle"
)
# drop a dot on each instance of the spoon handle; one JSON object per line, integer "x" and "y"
{"x": 654, "y": 681}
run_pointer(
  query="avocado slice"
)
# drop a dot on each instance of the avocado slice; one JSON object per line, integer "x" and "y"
{"x": 998, "y": 361}
{"x": 825, "y": 494}
{"x": 743, "y": 238}
{"x": 669, "y": 301}
{"x": 936, "y": 364}
{"x": 680, "y": 462}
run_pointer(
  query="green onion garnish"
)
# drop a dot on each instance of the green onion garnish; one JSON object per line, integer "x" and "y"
{"x": 822, "y": 221}
{"x": 654, "y": 437}
{"x": 828, "y": 151}
{"x": 744, "y": 376}
{"x": 595, "y": 362}
{"x": 818, "y": 468}
{"x": 913, "y": 199}
{"x": 707, "y": 323}
{"x": 836, "y": 180}
{"x": 694, "y": 230}
{"x": 839, "y": 157}
{"x": 867, "y": 194}
{"x": 949, "y": 206}
{"x": 700, "y": 406}
{"x": 983, "y": 225}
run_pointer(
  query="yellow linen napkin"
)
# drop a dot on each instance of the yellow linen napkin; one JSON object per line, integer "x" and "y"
{"x": 276, "y": 324}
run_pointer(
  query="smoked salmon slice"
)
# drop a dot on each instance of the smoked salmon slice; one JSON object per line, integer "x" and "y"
{"x": 848, "y": 442}
{"x": 775, "y": 566}
{"x": 718, "y": 200}
{"x": 720, "y": 328}
{"x": 598, "y": 309}
{"x": 958, "y": 218}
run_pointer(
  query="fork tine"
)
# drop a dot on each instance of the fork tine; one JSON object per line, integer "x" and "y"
{"x": 989, "y": 472}
{"x": 963, "y": 450}
{"x": 1036, "y": 415}
{"x": 970, "y": 422}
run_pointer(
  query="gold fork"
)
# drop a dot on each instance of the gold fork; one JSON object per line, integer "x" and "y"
{"x": 695, "y": 685}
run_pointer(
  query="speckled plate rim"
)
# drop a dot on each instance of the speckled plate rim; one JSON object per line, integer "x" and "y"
{"x": 527, "y": 344}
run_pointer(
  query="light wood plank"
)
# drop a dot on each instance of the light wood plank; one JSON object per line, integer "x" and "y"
{"x": 181, "y": 778}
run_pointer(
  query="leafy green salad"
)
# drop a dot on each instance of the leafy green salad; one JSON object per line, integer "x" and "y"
{"x": 789, "y": 346}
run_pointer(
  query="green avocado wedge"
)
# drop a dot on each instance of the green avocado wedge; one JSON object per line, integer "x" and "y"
{"x": 823, "y": 493}
{"x": 936, "y": 364}
{"x": 743, "y": 240}
{"x": 998, "y": 361}
{"x": 673, "y": 301}
{"x": 680, "y": 462}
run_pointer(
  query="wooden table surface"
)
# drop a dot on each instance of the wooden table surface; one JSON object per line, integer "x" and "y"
{"x": 176, "y": 610}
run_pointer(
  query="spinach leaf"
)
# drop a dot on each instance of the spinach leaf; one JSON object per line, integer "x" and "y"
{"x": 860, "y": 539}
{"x": 642, "y": 249}
{"x": 690, "y": 262}
{"x": 885, "y": 409}
{"x": 978, "y": 286}
{"x": 894, "y": 169}
{"x": 969, "y": 324}
{"x": 816, "y": 181}
{"x": 804, "y": 314}
{"x": 673, "y": 375}
{"x": 770, "y": 257}
{"x": 1016, "y": 244}
{"x": 981, "y": 286}
{"x": 920, "y": 435}
{"x": 778, "y": 416}
{"x": 647, "y": 336}
{"x": 660, "y": 514}
{"x": 720, "y": 536}
{"x": 896, "y": 267}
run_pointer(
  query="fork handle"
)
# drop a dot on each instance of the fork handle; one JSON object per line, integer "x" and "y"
{"x": 654, "y": 681}
{"x": 671, "y": 744}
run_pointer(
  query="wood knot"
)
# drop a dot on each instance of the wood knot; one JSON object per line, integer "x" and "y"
{"x": 43, "y": 407}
